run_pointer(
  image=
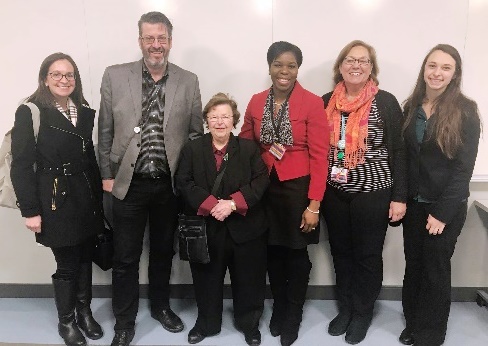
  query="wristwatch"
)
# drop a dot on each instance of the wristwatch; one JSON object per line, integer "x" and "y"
{"x": 233, "y": 206}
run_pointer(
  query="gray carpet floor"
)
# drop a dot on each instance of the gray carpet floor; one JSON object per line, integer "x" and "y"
{"x": 33, "y": 321}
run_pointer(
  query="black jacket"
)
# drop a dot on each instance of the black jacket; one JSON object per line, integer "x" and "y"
{"x": 69, "y": 205}
{"x": 245, "y": 172}
{"x": 435, "y": 177}
{"x": 392, "y": 116}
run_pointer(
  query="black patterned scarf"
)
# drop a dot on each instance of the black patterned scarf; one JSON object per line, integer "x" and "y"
{"x": 283, "y": 132}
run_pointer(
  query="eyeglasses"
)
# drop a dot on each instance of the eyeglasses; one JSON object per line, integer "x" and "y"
{"x": 348, "y": 60}
{"x": 214, "y": 119}
{"x": 150, "y": 39}
{"x": 57, "y": 76}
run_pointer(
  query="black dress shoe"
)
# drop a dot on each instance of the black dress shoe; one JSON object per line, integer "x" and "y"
{"x": 169, "y": 320}
{"x": 253, "y": 338}
{"x": 123, "y": 337}
{"x": 195, "y": 336}
{"x": 339, "y": 324}
{"x": 406, "y": 337}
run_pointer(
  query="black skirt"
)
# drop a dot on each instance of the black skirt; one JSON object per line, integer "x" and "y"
{"x": 285, "y": 203}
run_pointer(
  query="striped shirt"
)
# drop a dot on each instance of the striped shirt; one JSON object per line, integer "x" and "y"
{"x": 375, "y": 173}
{"x": 152, "y": 157}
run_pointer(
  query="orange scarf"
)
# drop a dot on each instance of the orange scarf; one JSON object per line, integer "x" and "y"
{"x": 357, "y": 121}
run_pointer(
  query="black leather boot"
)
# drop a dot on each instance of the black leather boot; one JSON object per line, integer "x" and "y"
{"x": 84, "y": 316}
{"x": 64, "y": 296}
{"x": 298, "y": 277}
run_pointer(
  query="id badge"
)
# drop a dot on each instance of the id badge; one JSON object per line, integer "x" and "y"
{"x": 338, "y": 174}
{"x": 277, "y": 150}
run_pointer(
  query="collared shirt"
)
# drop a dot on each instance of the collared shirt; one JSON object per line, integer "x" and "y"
{"x": 241, "y": 206}
{"x": 71, "y": 113}
{"x": 152, "y": 157}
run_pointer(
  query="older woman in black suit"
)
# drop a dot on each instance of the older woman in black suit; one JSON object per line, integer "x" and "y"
{"x": 61, "y": 200}
{"x": 236, "y": 222}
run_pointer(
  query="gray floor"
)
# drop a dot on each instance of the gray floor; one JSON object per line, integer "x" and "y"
{"x": 33, "y": 321}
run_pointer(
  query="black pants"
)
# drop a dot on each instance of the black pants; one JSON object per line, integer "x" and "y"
{"x": 247, "y": 269}
{"x": 153, "y": 198}
{"x": 357, "y": 224}
{"x": 69, "y": 258}
{"x": 427, "y": 282}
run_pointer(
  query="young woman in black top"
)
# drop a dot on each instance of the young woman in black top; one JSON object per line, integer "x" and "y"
{"x": 441, "y": 131}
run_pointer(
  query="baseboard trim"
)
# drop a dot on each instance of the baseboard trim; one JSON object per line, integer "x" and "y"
{"x": 185, "y": 291}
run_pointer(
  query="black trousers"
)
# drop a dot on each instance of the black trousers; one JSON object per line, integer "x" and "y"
{"x": 357, "y": 224}
{"x": 69, "y": 258}
{"x": 427, "y": 283}
{"x": 146, "y": 198}
{"x": 247, "y": 269}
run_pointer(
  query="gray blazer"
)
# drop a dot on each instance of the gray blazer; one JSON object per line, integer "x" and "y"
{"x": 121, "y": 110}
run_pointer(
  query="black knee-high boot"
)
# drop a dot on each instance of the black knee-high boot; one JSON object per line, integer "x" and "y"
{"x": 299, "y": 267}
{"x": 278, "y": 284}
{"x": 84, "y": 316}
{"x": 65, "y": 298}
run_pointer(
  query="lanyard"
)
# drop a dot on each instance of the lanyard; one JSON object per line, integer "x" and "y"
{"x": 341, "y": 143}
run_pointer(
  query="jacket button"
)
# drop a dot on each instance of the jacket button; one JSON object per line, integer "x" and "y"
{"x": 138, "y": 145}
{"x": 132, "y": 165}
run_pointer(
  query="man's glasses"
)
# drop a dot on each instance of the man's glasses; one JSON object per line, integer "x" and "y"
{"x": 57, "y": 76}
{"x": 150, "y": 40}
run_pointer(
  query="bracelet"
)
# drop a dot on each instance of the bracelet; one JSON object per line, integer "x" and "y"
{"x": 313, "y": 212}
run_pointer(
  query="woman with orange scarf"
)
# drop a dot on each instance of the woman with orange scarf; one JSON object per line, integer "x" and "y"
{"x": 366, "y": 185}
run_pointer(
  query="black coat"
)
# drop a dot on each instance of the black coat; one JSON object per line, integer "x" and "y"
{"x": 245, "y": 172}
{"x": 437, "y": 178}
{"x": 69, "y": 205}
{"x": 392, "y": 116}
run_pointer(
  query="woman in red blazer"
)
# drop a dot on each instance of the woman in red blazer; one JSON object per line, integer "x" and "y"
{"x": 290, "y": 126}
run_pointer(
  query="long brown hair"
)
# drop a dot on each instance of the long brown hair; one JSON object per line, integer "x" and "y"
{"x": 449, "y": 107}
{"x": 43, "y": 96}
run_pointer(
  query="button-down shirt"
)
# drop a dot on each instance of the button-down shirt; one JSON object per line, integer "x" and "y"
{"x": 152, "y": 157}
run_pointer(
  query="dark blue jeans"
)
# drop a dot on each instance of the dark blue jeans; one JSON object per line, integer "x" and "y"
{"x": 151, "y": 199}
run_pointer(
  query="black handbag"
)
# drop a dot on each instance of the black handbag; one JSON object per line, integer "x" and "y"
{"x": 192, "y": 231}
{"x": 104, "y": 247}
{"x": 192, "y": 239}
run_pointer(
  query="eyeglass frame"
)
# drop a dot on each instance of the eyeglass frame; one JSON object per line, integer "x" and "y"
{"x": 216, "y": 119}
{"x": 164, "y": 39}
{"x": 354, "y": 60}
{"x": 63, "y": 76}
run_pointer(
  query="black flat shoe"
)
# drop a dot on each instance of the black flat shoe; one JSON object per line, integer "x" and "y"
{"x": 339, "y": 324}
{"x": 195, "y": 336}
{"x": 253, "y": 338}
{"x": 356, "y": 332}
{"x": 169, "y": 320}
{"x": 406, "y": 337}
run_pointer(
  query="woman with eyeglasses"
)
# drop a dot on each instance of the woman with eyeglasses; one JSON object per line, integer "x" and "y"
{"x": 235, "y": 219}
{"x": 59, "y": 189}
{"x": 366, "y": 185}
{"x": 441, "y": 131}
{"x": 289, "y": 124}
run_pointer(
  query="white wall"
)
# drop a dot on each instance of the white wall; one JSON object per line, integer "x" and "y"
{"x": 225, "y": 42}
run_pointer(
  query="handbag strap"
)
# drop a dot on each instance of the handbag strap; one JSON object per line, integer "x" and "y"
{"x": 219, "y": 179}
{"x": 107, "y": 222}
